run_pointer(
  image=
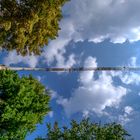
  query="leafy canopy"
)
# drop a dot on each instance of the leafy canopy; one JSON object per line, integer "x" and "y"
{"x": 85, "y": 130}
{"x": 23, "y": 103}
{"x": 28, "y": 25}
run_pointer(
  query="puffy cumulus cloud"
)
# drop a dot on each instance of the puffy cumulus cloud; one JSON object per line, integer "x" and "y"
{"x": 57, "y": 48}
{"x": 133, "y": 61}
{"x": 97, "y": 20}
{"x": 86, "y": 77}
{"x": 128, "y": 109}
{"x": 126, "y": 116}
{"x": 62, "y": 62}
{"x": 53, "y": 94}
{"x": 128, "y": 77}
{"x": 86, "y": 114}
{"x": 93, "y": 95}
{"x": 13, "y": 58}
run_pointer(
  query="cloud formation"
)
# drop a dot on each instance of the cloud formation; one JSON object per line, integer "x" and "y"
{"x": 13, "y": 58}
{"x": 126, "y": 116}
{"x": 96, "y": 20}
{"x": 93, "y": 95}
{"x": 128, "y": 77}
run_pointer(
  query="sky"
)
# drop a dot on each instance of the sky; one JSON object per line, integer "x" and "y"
{"x": 93, "y": 33}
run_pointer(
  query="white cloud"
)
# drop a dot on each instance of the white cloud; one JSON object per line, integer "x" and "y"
{"x": 97, "y": 20}
{"x": 126, "y": 117}
{"x": 87, "y": 77}
{"x": 133, "y": 62}
{"x": 86, "y": 114}
{"x": 128, "y": 110}
{"x": 128, "y": 77}
{"x": 13, "y": 58}
{"x": 62, "y": 62}
{"x": 57, "y": 48}
{"x": 53, "y": 94}
{"x": 93, "y": 95}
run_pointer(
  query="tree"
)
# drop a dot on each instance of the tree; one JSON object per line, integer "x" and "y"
{"x": 28, "y": 25}
{"x": 23, "y": 103}
{"x": 86, "y": 130}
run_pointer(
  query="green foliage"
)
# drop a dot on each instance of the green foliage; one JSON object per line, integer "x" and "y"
{"x": 85, "y": 130}
{"x": 28, "y": 25}
{"x": 23, "y": 103}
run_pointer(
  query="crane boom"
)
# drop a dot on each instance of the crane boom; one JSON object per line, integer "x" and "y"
{"x": 70, "y": 69}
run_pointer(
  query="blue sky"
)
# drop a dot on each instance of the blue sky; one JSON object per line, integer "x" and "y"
{"x": 93, "y": 33}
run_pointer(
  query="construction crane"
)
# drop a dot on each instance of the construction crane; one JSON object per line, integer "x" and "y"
{"x": 70, "y": 69}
